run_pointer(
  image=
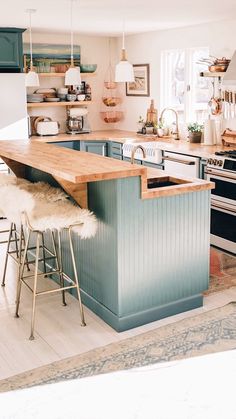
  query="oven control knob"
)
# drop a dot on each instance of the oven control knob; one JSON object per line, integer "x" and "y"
{"x": 220, "y": 162}
{"x": 210, "y": 161}
{"x": 215, "y": 162}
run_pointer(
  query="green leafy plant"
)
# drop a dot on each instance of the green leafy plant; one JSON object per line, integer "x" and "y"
{"x": 195, "y": 127}
{"x": 141, "y": 120}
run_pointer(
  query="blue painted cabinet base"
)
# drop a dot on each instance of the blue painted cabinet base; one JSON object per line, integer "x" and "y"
{"x": 149, "y": 258}
{"x": 120, "y": 324}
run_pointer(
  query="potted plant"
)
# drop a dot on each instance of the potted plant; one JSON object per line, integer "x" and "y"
{"x": 195, "y": 132}
{"x": 160, "y": 129}
{"x": 140, "y": 123}
{"x": 149, "y": 127}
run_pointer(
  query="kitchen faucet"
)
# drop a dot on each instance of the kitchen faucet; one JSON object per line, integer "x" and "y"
{"x": 175, "y": 134}
{"x": 134, "y": 151}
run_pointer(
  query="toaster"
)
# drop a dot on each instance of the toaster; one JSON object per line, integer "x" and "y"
{"x": 47, "y": 127}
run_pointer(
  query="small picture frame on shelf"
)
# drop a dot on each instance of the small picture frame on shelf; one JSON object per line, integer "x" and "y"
{"x": 141, "y": 84}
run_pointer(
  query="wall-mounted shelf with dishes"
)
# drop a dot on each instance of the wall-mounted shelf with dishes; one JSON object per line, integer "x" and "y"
{"x": 47, "y": 104}
{"x": 63, "y": 74}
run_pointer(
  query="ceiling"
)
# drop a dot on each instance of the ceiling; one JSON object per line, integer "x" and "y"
{"x": 105, "y": 17}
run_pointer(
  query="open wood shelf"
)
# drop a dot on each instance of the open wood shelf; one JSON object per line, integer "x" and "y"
{"x": 63, "y": 74}
{"x": 48, "y": 104}
{"x": 212, "y": 74}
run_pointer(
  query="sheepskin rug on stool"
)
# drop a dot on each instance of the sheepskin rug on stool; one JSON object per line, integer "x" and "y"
{"x": 14, "y": 202}
{"x": 48, "y": 215}
{"x": 43, "y": 214}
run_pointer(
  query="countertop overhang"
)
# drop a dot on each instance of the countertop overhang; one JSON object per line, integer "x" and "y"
{"x": 81, "y": 167}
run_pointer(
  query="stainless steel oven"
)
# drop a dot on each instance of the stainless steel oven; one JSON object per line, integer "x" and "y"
{"x": 223, "y": 203}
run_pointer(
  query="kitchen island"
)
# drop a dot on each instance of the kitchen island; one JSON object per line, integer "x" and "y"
{"x": 150, "y": 257}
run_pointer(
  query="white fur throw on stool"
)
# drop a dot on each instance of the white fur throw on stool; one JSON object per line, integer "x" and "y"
{"x": 50, "y": 215}
{"x": 43, "y": 214}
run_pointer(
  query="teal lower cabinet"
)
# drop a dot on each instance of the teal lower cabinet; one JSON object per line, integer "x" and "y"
{"x": 115, "y": 150}
{"x": 73, "y": 145}
{"x": 153, "y": 165}
{"x": 149, "y": 259}
{"x": 97, "y": 147}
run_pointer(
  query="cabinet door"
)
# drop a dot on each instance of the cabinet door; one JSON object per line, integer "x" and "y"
{"x": 96, "y": 147}
{"x": 153, "y": 165}
{"x": 135, "y": 161}
{"x": 115, "y": 150}
{"x": 73, "y": 145}
{"x": 11, "y": 53}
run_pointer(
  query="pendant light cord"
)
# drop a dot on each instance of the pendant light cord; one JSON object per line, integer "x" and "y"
{"x": 123, "y": 35}
{"x": 30, "y": 36}
{"x": 71, "y": 34}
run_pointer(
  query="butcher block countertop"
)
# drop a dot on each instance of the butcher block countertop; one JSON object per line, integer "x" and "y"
{"x": 77, "y": 167}
{"x": 164, "y": 143}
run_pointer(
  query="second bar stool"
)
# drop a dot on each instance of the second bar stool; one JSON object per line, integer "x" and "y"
{"x": 48, "y": 216}
{"x": 38, "y": 190}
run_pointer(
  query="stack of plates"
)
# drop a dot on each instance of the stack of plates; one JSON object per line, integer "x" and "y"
{"x": 52, "y": 99}
{"x": 35, "y": 98}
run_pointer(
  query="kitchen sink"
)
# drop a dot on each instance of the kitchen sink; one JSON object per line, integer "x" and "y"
{"x": 164, "y": 181}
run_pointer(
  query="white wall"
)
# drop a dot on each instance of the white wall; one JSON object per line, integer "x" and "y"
{"x": 94, "y": 50}
{"x": 13, "y": 115}
{"x": 220, "y": 37}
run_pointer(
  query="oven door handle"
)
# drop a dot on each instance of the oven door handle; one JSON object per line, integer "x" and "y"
{"x": 220, "y": 206}
{"x": 224, "y": 175}
{"x": 191, "y": 163}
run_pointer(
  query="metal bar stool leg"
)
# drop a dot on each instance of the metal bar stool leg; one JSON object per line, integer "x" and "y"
{"x": 76, "y": 278}
{"x": 35, "y": 286}
{"x": 7, "y": 253}
{"x": 16, "y": 242}
{"x": 44, "y": 254}
{"x": 23, "y": 241}
{"x": 18, "y": 292}
{"x": 59, "y": 258}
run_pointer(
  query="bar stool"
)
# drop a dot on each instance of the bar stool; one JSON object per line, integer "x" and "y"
{"x": 48, "y": 216}
{"x": 38, "y": 190}
{"x": 6, "y": 180}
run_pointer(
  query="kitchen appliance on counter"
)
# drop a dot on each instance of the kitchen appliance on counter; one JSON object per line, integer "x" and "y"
{"x": 153, "y": 154}
{"x": 221, "y": 169}
{"x": 77, "y": 121}
{"x": 45, "y": 126}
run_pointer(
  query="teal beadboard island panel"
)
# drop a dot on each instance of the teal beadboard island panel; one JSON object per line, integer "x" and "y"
{"x": 149, "y": 259}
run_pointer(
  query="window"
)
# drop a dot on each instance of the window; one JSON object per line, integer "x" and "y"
{"x": 182, "y": 88}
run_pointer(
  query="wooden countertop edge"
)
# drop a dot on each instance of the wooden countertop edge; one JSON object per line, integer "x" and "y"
{"x": 186, "y": 185}
{"x": 176, "y": 190}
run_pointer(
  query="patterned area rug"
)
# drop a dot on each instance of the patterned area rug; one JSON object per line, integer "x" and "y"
{"x": 213, "y": 331}
{"x": 222, "y": 271}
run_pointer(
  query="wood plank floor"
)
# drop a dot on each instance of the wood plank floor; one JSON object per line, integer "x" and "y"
{"x": 58, "y": 332}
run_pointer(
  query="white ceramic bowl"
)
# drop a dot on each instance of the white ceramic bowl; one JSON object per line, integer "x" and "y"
{"x": 81, "y": 97}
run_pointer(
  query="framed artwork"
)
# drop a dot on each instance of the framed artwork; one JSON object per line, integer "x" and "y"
{"x": 46, "y": 56}
{"x": 141, "y": 84}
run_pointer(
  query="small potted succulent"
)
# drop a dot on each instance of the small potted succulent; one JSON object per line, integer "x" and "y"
{"x": 149, "y": 127}
{"x": 195, "y": 132}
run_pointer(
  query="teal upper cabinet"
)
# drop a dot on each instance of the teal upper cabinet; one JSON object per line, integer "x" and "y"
{"x": 11, "y": 50}
{"x": 96, "y": 147}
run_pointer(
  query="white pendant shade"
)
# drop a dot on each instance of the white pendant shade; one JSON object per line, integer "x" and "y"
{"x": 124, "y": 72}
{"x": 72, "y": 77}
{"x": 31, "y": 79}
